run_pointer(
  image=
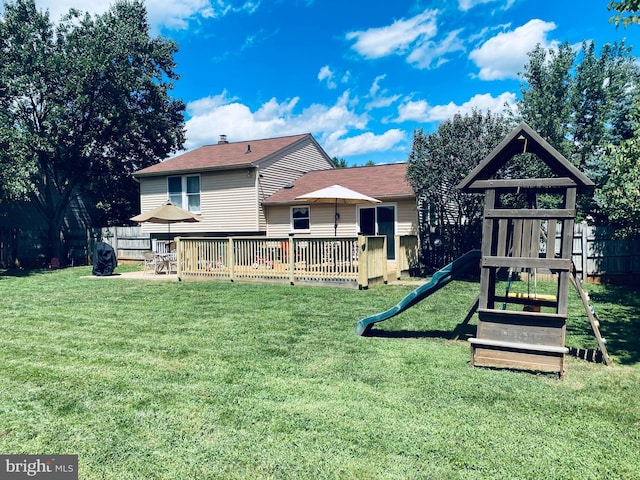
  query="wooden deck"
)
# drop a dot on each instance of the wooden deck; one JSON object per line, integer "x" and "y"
{"x": 348, "y": 261}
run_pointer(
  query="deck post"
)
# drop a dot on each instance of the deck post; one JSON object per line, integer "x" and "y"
{"x": 385, "y": 263}
{"x": 178, "y": 259}
{"x": 292, "y": 260}
{"x": 363, "y": 276}
{"x": 232, "y": 259}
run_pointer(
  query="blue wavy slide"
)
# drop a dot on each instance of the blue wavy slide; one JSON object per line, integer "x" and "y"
{"x": 439, "y": 280}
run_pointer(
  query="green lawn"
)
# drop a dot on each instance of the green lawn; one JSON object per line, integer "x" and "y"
{"x": 200, "y": 380}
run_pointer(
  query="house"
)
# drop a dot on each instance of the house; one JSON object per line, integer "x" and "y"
{"x": 226, "y": 183}
{"x": 250, "y": 188}
{"x": 396, "y": 214}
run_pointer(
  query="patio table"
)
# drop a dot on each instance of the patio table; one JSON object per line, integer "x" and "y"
{"x": 163, "y": 262}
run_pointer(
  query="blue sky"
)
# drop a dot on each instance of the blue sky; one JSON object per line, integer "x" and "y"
{"x": 360, "y": 75}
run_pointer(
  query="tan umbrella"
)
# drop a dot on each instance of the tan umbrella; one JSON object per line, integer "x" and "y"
{"x": 337, "y": 195}
{"x": 166, "y": 213}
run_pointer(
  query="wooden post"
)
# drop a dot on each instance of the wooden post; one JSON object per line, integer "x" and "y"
{"x": 292, "y": 260}
{"x": 179, "y": 258}
{"x": 232, "y": 260}
{"x": 585, "y": 251}
{"x": 385, "y": 264}
{"x": 401, "y": 255}
{"x": 487, "y": 275}
{"x": 363, "y": 275}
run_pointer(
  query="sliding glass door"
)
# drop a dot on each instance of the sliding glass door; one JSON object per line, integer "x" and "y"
{"x": 380, "y": 220}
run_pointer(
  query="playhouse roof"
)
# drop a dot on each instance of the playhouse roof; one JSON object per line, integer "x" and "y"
{"x": 523, "y": 139}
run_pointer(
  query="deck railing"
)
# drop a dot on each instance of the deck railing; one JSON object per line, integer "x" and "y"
{"x": 351, "y": 261}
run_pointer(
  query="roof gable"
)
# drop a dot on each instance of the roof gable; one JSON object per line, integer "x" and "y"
{"x": 380, "y": 181}
{"x": 523, "y": 139}
{"x": 248, "y": 153}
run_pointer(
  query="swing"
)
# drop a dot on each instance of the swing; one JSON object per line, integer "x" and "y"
{"x": 531, "y": 301}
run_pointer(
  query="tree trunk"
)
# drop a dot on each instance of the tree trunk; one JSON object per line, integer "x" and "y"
{"x": 54, "y": 241}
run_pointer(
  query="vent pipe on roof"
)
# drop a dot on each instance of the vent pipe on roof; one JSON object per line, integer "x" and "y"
{"x": 223, "y": 140}
{"x": 248, "y": 149}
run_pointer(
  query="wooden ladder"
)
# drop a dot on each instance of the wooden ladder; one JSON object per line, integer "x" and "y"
{"x": 591, "y": 313}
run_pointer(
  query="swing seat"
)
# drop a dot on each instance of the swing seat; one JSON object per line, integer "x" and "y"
{"x": 548, "y": 298}
{"x": 531, "y": 301}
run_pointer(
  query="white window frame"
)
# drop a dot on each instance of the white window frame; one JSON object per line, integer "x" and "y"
{"x": 184, "y": 200}
{"x": 375, "y": 215}
{"x": 292, "y": 223}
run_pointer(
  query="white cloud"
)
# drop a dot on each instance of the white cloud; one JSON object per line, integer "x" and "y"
{"x": 375, "y": 86}
{"x": 212, "y": 116}
{"x": 362, "y": 144}
{"x": 417, "y": 111}
{"x": 380, "y": 98}
{"x": 57, "y": 8}
{"x": 333, "y": 125}
{"x": 161, "y": 14}
{"x": 421, "y": 111}
{"x": 431, "y": 54}
{"x": 327, "y": 74}
{"x": 205, "y": 105}
{"x": 178, "y": 15}
{"x": 465, "y": 5}
{"x": 505, "y": 54}
{"x": 396, "y": 38}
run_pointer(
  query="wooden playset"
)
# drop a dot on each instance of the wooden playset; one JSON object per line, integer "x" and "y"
{"x": 526, "y": 330}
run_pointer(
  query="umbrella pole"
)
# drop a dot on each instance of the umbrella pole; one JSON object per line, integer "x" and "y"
{"x": 335, "y": 219}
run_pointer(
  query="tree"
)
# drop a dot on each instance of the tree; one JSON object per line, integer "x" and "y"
{"x": 545, "y": 96}
{"x": 437, "y": 163}
{"x": 579, "y": 103}
{"x": 626, "y": 12}
{"x": 620, "y": 194}
{"x": 82, "y": 106}
{"x": 339, "y": 162}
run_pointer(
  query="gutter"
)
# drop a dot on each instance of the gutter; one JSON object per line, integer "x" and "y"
{"x": 165, "y": 173}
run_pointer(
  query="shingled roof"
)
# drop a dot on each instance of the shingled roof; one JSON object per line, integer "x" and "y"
{"x": 380, "y": 181}
{"x": 224, "y": 156}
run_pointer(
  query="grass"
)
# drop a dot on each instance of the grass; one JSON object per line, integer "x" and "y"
{"x": 158, "y": 380}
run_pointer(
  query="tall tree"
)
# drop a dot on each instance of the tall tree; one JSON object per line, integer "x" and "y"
{"x": 627, "y": 12}
{"x": 545, "y": 97}
{"x": 619, "y": 197}
{"x": 437, "y": 163}
{"x": 82, "y": 105}
{"x": 577, "y": 101}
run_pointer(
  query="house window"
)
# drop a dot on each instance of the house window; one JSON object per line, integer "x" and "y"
{"x": 184, "y": 191}
{"x": 300, "y": 218}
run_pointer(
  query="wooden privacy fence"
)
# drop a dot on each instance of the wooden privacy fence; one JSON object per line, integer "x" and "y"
{"x": 128, "y": 242}
{"x": 349, "y": 261}
{"x": 599, "y": 256}
{"x": 29, "y": 248}
{"x": 596, "y": 252}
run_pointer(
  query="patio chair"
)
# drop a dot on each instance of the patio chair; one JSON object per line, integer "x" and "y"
{"x": 149, "y": 262}
{"x": 172, "y": 264}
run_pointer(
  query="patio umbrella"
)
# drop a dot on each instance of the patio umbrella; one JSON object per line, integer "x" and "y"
{"x": 166, "y": 213}
{"x": 337, "y": 194}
